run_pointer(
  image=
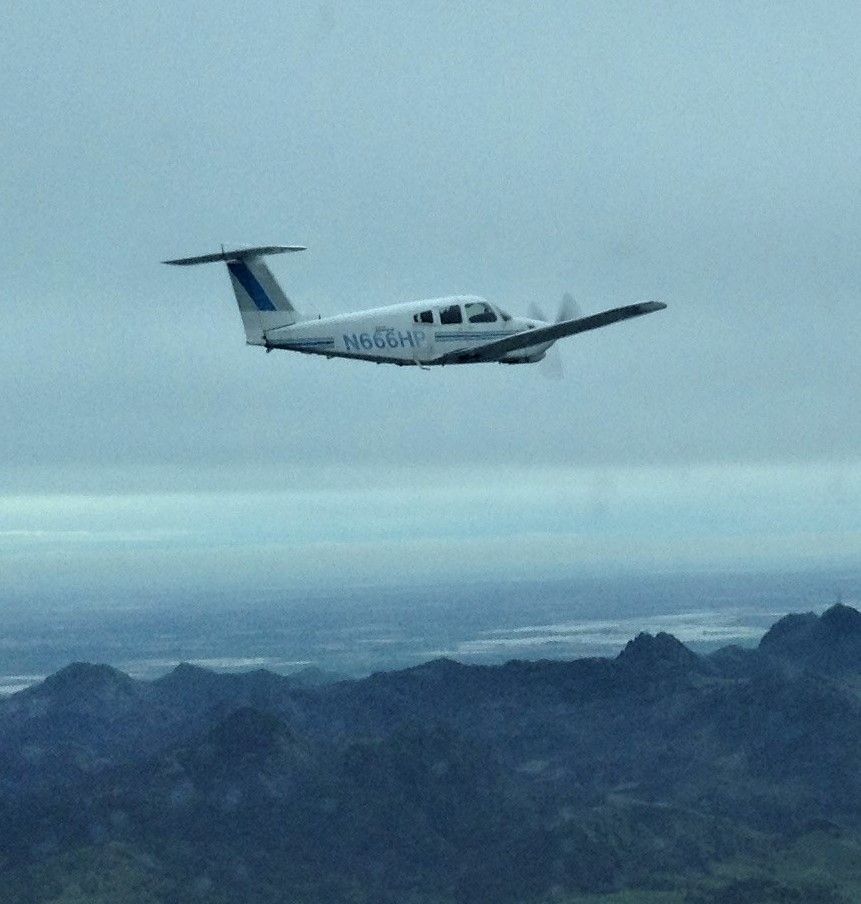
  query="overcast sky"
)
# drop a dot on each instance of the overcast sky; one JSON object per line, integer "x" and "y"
{"x": 707, "y": 155}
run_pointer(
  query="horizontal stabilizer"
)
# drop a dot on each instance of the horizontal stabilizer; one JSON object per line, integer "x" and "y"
{"x": 236, "y": 254}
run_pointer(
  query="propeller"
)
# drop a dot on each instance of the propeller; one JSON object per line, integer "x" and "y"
{"x": 551, "y": 363}
{"x": 568, "y": 308}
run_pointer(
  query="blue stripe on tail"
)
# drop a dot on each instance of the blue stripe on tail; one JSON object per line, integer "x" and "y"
{"x": 249, "y": 282}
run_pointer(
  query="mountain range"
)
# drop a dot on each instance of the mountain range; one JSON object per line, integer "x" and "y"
{"x": 659, "y": 772}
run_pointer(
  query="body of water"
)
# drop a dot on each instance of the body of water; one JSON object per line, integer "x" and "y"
{"x": 363, "y": 630}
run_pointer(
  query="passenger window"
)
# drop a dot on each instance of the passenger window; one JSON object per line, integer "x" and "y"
{"x": 479, "y": 312}
{"x": 451, "y": 314}
{"x": 423, "y": 317}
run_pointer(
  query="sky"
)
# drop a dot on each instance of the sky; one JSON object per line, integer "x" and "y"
{"x": 706, "y": 155}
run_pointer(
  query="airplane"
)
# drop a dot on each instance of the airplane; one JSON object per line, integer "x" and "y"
{"x": 457, "y": 329}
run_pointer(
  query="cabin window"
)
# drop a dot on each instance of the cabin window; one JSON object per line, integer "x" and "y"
{"x": 451, "y": 314}
{"x": 423, "y": 317}
{"x": 504, "y": 315}
{"x": 479, "y": 312}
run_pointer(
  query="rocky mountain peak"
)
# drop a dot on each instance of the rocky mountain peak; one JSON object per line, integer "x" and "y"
{"x": 829, "y": 643}
{"x": 659, "y": 651}
{"x": 789, "y": 626}
{"x": 84, "y": 678}
{"x": 841, "y": 619}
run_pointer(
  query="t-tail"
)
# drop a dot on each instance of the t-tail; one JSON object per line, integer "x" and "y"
{"x": 262, "y": 302}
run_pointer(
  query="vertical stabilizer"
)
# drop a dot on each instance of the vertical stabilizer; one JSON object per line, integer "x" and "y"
{"x": 262, "y": 302}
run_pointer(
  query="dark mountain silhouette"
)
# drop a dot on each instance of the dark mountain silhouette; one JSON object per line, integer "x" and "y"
{"x": 830, "y": 643}
{"x": 96, "y": 681}
{"x": 443, "y": 782}
{"x": 660, "y": 654}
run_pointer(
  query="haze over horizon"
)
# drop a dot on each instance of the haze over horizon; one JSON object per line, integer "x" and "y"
{"x": 513, "y": 151}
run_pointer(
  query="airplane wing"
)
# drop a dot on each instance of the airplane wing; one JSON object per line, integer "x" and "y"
{"x": 550, "y": 333}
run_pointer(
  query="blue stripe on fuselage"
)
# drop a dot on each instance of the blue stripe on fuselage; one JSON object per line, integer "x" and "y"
{"x": 478, "y": 336}
{"x": 249, "y": 282}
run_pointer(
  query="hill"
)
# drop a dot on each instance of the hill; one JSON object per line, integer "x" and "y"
{"x": 528, "y": 782}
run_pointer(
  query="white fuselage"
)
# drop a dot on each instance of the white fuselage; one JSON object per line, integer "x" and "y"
{"x": 458, "y": 329}
{"x": 411, "y": 333}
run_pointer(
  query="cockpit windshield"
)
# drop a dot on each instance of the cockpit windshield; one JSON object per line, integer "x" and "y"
{"x": 503, "y": 314}
{"x": 479, "y": 312}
